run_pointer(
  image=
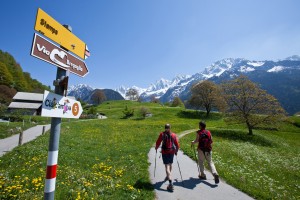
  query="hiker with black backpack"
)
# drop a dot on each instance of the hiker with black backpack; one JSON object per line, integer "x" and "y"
{"x": 170, "y": 146}
{"x": 204, "y": 140}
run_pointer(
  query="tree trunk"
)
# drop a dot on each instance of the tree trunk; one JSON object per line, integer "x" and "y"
{"x": 207, "y": 110}
{"x": 250, "y": 129}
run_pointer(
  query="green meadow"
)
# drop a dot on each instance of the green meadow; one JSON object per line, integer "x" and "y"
{"x": 107, "y": 159}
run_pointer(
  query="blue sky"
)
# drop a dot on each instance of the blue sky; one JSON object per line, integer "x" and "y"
{"x": 137, "y": 42}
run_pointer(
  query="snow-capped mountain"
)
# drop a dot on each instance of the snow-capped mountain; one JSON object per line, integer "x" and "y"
{"x": 85, "y": 92}
{"x": 280, "y": 78}
{"x": 123, "y": 89}
{"x": 80, "y": 91}
{"x": 154, "y": 90}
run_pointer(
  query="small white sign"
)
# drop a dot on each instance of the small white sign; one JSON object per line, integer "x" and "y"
{"x": 55, "y": 105}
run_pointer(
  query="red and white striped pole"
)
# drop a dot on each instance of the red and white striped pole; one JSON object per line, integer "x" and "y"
{"x": 50, "y": 181}
{"x": 51, "y": 173}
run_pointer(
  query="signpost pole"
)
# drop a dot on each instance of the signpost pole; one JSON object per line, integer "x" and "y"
{"x": 51, "y": 53}
{"x": 53, "y": 146}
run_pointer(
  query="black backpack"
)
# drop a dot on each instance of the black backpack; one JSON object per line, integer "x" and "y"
{"x": 168, "y": 142}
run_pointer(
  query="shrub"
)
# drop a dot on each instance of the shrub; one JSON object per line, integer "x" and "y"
{"x": 144, "y": 111}
{"x": 128, "y": 112}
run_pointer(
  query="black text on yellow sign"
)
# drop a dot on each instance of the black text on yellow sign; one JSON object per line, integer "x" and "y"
{"x": 50, "y": 28}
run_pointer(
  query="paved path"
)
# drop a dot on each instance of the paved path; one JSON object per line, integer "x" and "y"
{"x": 9, "y": 143}
{"x": 191, "y": 187}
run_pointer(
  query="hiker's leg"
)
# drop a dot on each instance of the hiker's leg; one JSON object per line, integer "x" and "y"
{"x": 168, "y": 171}
{"x": 201, "y": 162}
{"x": 208, "y": 156}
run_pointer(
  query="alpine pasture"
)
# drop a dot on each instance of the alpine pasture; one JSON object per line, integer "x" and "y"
{"x": 107, "y": 159}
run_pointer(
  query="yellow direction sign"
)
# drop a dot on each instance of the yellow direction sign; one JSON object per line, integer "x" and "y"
{"x": 50, "y": 28}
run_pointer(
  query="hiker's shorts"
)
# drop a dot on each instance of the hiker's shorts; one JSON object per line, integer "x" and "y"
{"x": 167, "y": 158}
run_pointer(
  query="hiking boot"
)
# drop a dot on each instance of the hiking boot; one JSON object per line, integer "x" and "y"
{"x": 216, "y": 176}
{"x": 170, "y": 187}
{"x": 202, "y": 177}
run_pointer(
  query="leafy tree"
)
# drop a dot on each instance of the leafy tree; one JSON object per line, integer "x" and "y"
{"x": 132, "y": 94}
{"x": 98, "y": 97}
{"x": 177, "y": 102}
{"x": 92, "y": 110}
{"x": 6, "y": 94}
{"x": 5, "y": 76}
{"x": 128, "y": 112}
{"x": 3, "y": 109}
{"x": 249, "y": 104}
{"x": 20, "y": 82}
{"x": 16, "y": 78}
{"x": 206, "y": 95}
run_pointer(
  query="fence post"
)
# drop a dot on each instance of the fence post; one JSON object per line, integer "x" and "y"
{"x": 43, "y": 132}
{"x": 20, "y": 137}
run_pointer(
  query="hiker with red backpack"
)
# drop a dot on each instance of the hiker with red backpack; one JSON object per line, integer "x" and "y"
{"x": 204, "y": 140}
{"x": 170, "y": 146}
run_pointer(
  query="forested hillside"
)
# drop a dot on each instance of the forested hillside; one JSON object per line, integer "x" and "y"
{"x": 13, "y": 79}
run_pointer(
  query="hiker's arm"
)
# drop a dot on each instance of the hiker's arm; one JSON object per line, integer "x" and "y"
{"x": 197, "y": 138}
{"x": 158, "y": 141}
{"x": 177, "y": 145}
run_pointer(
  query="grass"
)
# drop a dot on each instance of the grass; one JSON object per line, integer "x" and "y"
{"x": 107, "y": 159}
{"x": 11, "y": 128}
{"x": 266, "y": 165}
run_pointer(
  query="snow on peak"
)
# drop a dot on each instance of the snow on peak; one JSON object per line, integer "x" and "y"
{"x": 256, "y": 63}
{"x": 293, "y": 58}
{"x": 276, "y": 69}
{"x": 217, "y": 68}
{"x": 246, "y": 69}
{"x": 80, "y": 86}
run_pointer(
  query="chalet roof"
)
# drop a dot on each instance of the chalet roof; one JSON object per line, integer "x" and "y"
{"x": 24, "y": 105}
{"x": 28, "y": 96}
{"x": 28, "y": 100}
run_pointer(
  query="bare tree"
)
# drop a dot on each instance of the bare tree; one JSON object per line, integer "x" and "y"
{"x": 132, "y": 94}
{"x": 249, "y": 104}
{"x": 206, "y": 94}
{"x": 177, "y": 102}
{"x": 98, "y": 97}
{"x": 154, "y": 99}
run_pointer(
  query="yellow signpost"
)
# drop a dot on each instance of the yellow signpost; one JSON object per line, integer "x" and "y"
{"x": 50, "y": 28}
{"x": 45, "y": 50}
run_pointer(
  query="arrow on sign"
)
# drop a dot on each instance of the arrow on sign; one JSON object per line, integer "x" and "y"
{"x": 51, "y": 53}
{"x": 52, "y": 29}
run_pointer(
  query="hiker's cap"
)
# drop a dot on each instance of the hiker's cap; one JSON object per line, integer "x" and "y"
{"x": 167, "y": 126}
{"x": 202, "y": 124}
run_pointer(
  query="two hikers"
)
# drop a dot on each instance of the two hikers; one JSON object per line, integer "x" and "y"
{"x": 169, "y": 147}
{"x": 204, "y": 140}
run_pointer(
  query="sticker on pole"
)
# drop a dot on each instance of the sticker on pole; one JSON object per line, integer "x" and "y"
{"x": 55, "y": 105}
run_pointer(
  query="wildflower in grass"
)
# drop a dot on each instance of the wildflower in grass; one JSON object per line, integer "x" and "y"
{"x": 130, "y": 187}
{"x": 119, "y": 173}
{"x": 78, "y": 196}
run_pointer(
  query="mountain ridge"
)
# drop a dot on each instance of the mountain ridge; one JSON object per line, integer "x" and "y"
{"x": 262, "y": 72}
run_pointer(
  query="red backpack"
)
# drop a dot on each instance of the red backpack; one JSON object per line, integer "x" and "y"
{"x": 168, "y": 142}
{"x": 205, "y": 140}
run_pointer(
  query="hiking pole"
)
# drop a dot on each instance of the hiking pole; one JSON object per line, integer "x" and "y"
{"x": 192, "y": 146}
{"x": 179, "y": 170}
{"x": 155, "y": 162}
